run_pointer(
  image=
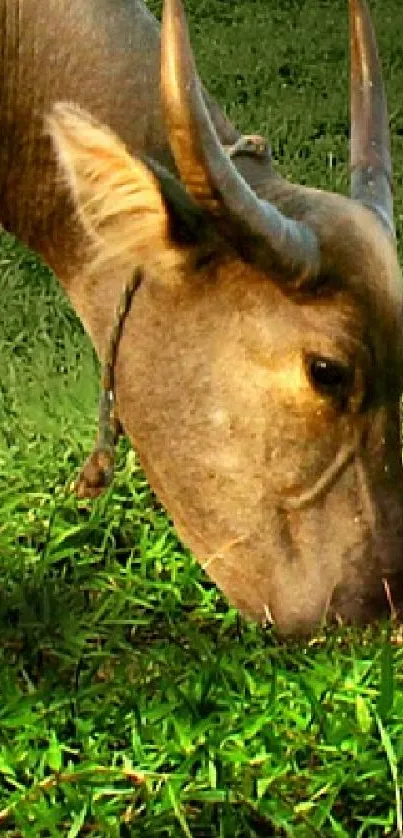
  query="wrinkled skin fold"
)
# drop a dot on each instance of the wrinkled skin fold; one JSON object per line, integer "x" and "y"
{"x": 259, "y": 370}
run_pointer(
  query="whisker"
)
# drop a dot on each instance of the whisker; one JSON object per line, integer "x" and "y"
{"x": 388, "y": 594}
{"x": 268, "y": 618}
{"x": 223, "y": 552}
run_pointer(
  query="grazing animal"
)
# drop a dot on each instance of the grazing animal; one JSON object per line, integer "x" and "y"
{"x": 259, "y": 364}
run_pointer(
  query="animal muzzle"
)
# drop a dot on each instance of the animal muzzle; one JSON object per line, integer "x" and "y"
{"x": 359, "y": 574}
{"x": 339, "y": 561}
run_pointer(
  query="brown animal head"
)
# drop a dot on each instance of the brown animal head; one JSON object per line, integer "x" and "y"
{"x": 260, "y": 367}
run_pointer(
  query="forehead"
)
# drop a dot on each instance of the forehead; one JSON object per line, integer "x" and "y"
{"x": 353, "y": 242}
{"x": 357, "y": 299}
{"x": 359, "y": 264}
{"x": 361, "y": 256}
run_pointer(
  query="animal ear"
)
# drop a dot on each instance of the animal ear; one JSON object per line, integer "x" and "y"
{"x": 134, "y": 211}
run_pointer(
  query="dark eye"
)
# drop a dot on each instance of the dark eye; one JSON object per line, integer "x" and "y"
{"x": 329, "y": 377}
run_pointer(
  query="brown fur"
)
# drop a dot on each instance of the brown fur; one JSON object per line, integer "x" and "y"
{"x": 290, "y": 503}
{"x": 290, "y": 500}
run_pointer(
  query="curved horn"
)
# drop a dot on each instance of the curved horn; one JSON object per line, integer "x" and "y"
{"x": 208, "y": 173}
{"x": 370, "y": 161}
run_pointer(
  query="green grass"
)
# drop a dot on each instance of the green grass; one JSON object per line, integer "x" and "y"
{"x": 133, "y": 700}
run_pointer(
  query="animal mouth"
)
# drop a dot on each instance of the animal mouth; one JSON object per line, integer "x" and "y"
{"x": 333, "y": 613}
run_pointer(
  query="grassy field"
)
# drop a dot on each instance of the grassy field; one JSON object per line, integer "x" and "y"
{"x": 133, "y": 700}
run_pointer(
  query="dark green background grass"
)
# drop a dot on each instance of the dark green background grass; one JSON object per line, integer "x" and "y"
{"x": 133, "y": 701}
